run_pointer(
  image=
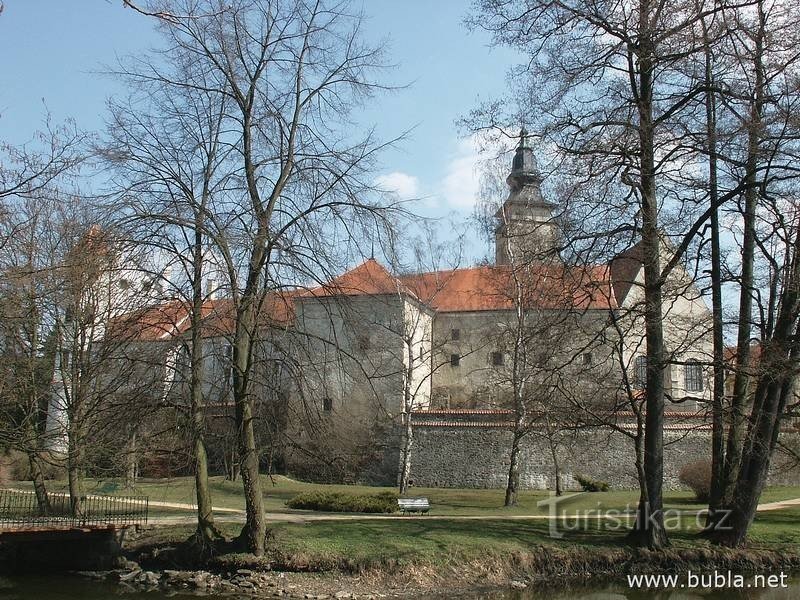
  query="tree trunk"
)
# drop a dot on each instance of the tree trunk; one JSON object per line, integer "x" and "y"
{"x": 75, "y": 477}
{"x": 718, "y": 398}
{"x": 255, "y": 529}
{"x": 512, "y": 487}
{"x": 231, "y": 463}
{"x": 39, "y": 486}
{"x": 556, "y": 467}
{"x": 206, "y": 531}
{"x": 408, "y": 443}
{"x": 770, "y": 401}
{"x": 131, "y": 462}
{"x": 649, "y": 529}
{"x": 408, "y": 405}
{"x": 779, "y": 360}
{"x": 638, "y": 444}
{"x": 205, "y": 515}
{"x": 738, "y": 417}
{"x": 553, "y": 453}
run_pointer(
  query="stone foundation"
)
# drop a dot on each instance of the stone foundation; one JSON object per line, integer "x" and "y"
{"x": 468, "y": 451}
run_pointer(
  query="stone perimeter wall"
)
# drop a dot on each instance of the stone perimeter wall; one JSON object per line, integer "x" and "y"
{"x": 476, "y": 456}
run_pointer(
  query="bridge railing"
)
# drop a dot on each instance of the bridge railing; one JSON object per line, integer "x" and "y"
{"x": 19, "y": 509}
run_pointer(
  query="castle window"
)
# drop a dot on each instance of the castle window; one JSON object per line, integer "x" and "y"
{"x": 497, "y": 359}
{"x": 327, "y": 404}
{"x": 640, "y": 371}
{"x": 693, "y": 375}
{"x": 420, "y": 352}
{"x": 455, "y": 360}
{"x": 588, "y": 359}
{"x": 455, "y": 334}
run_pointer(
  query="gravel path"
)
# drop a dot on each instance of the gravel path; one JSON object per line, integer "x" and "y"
{"x": 237, "y": 515}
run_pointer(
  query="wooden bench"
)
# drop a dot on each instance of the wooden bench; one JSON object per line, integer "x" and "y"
{"x": 420, "y": 505}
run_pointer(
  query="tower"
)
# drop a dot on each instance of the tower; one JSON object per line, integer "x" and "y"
{"x": 526, "y": 229}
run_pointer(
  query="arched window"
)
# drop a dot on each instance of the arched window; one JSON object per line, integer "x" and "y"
{"x": 693, "y": 374}
{"x": 640, "y": 371}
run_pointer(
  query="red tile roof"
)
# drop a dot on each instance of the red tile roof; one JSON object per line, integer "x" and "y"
{"x": 481, "y": 288}
{"x": 543, "y": 286}
{"x": 370, "y": 278}
{"x": 165, "y": 321}
{"x": 730, "y": 352}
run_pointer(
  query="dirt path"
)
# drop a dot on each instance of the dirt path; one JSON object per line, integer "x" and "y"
{"x": 778, "y": 505}
{"x": 237, "y": 515}
{"x": 186, "y": 506}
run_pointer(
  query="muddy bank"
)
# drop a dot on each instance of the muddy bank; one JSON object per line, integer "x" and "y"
{"x": 167, "y": 566}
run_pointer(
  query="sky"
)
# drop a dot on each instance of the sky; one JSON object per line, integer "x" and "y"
{"x": 54, "y": 51}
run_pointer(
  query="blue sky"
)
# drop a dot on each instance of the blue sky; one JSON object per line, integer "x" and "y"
{"x": 52, "y": 50}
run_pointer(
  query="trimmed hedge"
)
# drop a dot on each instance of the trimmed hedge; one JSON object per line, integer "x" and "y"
{"x": 697, "y": 477}
{"x": 592, "y": 485}
{"x": 384, "y": 502}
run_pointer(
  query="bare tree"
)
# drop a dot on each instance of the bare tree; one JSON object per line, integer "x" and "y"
{"x": 291, "y": 73}
{"x": 32, "y": 178}
{"x": 624, "y": 151}
{"x": 423, "y": 281}
{"x": 27, "y": 358}
{"x": 165, "y": 146}
{"x": 768, "y": 309}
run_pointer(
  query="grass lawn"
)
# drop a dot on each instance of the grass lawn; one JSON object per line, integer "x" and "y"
{"x": 444, "y": 501}
{"x": 462, "y": 548}
{"x": 429, "y": 539}
{"x": 358, "y": 544}
{"x": 374, "y": 542}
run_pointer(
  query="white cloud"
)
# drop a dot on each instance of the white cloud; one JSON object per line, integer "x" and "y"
{"x": 404, "y": 185}
{"x": 461, "y": 185}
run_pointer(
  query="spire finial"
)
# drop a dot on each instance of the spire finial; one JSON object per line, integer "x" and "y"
{"x": 523, "y": 137}
{"x": 523, "y": 166}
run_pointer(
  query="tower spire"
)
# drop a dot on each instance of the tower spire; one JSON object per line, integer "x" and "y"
{"x": 524, "y": 170}
{"x": 525, "y": 221}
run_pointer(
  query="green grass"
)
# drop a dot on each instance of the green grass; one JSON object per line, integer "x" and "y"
{"x": 444, "y": 501}
{"x": 360, "y": 544}
{"x": 375, "y": 542}
{"x": 357, "y": 544}
{"x": 457, "y": 548}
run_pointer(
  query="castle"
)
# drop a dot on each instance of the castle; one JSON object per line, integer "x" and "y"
{"x": 345, "y": 366}
{"x": 444, "y": 348}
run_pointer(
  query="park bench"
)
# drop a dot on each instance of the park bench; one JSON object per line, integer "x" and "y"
{"x": 413, "y": 505}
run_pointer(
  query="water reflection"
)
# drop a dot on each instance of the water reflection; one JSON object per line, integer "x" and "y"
{"x": 617, "y": 591}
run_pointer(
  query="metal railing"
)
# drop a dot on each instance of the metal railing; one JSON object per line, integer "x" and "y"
{"x": 19, "y": 509}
